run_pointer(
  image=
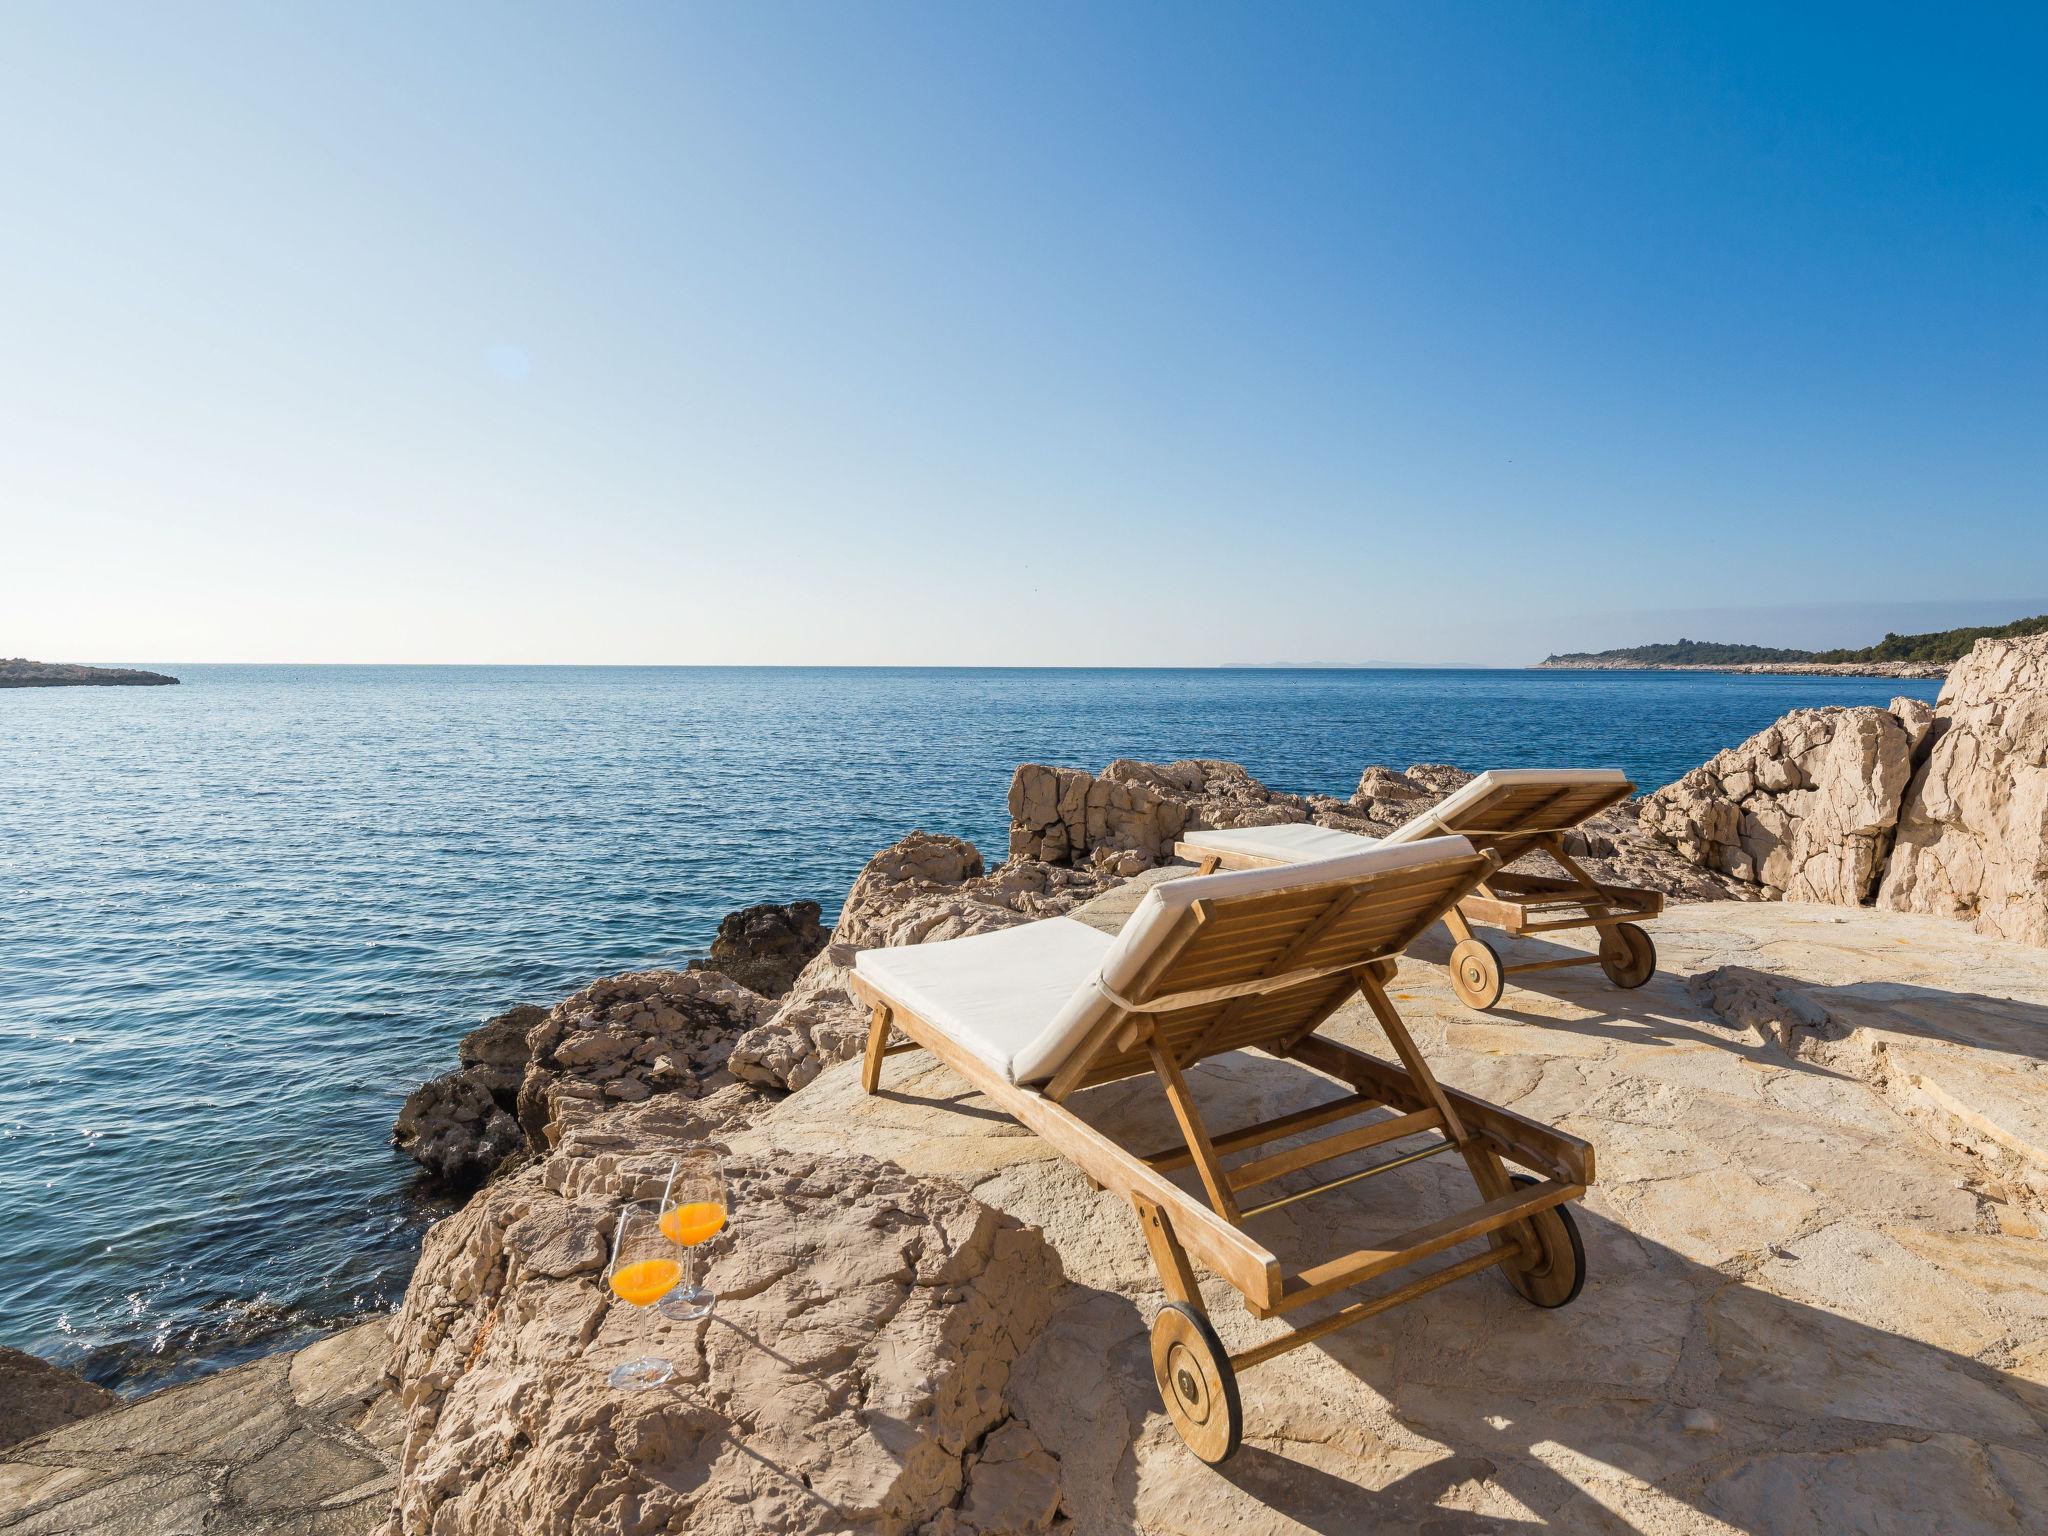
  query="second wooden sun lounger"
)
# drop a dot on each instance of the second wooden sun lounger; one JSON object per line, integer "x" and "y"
{"x": 1506, "y": 813}
{"x": 1251, "y": 959}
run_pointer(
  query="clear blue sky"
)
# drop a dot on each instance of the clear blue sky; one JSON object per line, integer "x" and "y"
{"x": 1034, "y": 333}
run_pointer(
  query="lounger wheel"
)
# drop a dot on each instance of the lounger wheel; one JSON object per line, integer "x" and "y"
{"x": 1554, "y": 1279}
{"x": 1627, "y": 955}
{"x": 1196, "y": 1382}
{"x": 1476, "y": 975}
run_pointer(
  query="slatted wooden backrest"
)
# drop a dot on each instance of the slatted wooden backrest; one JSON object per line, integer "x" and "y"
{"x": 1335, "y": 927}
{"x": 1512, "y": 818}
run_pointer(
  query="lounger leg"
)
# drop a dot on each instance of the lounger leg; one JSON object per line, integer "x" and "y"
{"x": 1176, "y": 1275}
{"x": 878, "y": 1047}
{"x": 1460, "y": 929}
{"x": 1207, "y": 1163}
{"x": 1208, "y": 864}
{"x": 1196, "y": 1379}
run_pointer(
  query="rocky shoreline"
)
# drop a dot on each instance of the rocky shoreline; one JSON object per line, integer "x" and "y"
{"x": 1907, "y": 669}
{"x": 20, "y": 672}
{"x": 1819, "y": 1293}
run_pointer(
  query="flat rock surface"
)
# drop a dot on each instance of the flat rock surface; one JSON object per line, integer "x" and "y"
{"x": 1817, "y": 1297}
{"x": 302, "y": 1443}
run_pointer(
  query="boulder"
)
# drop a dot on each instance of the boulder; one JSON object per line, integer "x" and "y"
{"x": 1126, "y": 818}
{"x": 1386, "y": 796}
{"x": 1973, "y": 840}
{"x": 456, "y": 1130}
{"x": 1804, "y": 810}
{"x": 461, "y": 1126}
{"x": 764, "y": 947}
{"x": 853, "y": 1377}
{"x": 36, "y": 1397}
{"x": 625, "y": 1039}
{"x": 925, "y": 888}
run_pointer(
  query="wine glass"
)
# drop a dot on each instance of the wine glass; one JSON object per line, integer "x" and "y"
{"x": 644, "y": 1269}
{"x": 693, "y": 1213}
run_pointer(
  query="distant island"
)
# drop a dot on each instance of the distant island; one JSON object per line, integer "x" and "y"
{"x": 1928, "y": 655}
{"x": 20, "y": 672}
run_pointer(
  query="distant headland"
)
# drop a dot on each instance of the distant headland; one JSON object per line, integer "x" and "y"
{"x": 1928, "y": 655}
{"x": 20, "y": 672}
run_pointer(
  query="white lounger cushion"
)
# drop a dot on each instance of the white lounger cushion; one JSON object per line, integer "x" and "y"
{"x": 992, "y": 992}
{"x": 1296, "y": 842}
{"x": 1022, "y": 998}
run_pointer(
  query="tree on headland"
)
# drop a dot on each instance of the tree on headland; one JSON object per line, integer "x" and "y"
{"x": 1938, "y": 648}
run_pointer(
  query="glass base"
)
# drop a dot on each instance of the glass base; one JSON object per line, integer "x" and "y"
{"x": 686, "y": 1303}
{"x": 638, "y": 1375}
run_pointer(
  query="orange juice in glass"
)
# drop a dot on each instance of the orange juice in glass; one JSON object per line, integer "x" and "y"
{"x": 693, "y": 1212}
{"x": 645, "y": 1267}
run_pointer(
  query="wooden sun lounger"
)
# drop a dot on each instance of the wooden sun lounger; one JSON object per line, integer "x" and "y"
{"x": 1255, "y": 959}
{"x": 1506, "y": 814}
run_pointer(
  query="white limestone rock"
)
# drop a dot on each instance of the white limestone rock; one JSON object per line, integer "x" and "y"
{"x": 1804, "y": 810}
{"x": 853, "y": 1378}
{"x": 1127, "y": 818}
{"x": 1973, "y": 842}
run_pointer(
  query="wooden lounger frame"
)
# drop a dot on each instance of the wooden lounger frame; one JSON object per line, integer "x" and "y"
{"x": 1516, "y": 820}
{"x": 1266, "y": 971}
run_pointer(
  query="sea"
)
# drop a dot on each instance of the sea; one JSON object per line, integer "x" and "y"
{"x": 241, "y": 918}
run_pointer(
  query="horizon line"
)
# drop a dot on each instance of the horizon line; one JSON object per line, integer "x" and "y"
{"x": 880, "y": 666}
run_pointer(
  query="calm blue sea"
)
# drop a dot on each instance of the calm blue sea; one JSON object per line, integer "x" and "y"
{"x": 241, "y": 918}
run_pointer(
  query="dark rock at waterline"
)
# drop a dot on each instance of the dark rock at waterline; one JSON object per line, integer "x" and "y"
{"x": 462, "y": 1125}
{"x": 37, "y": 1397}
{"x": 20, "y": 672}
{"x": 629, "y": 1038}
{"x": 764, "y": 947}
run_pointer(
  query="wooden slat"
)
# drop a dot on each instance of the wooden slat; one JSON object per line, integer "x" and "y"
{"x": 1074, "y": 1071}
{"x": 1168, "y": 1158}
{"x": 1340, "y": 1274}
{"x": 1362, "y": 939}
{"x": 1533, "y": 1145}
{"x": 1359, "y": 1311}
{"x": 1340, "y": 903}
{"x": 1324, "y": 1148}
{"x": 1243, "y": 914}
{"x": 1239, "y": 918}
{"x": 1549, "y": 965}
